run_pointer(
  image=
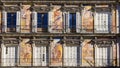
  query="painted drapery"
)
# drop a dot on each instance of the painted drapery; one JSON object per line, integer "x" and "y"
{"x": 87, "y": 53}
{"x": 56, "y": 25}
{"x": 56, "y": 53}
{"x": 87, "y": 19}
{"x": 25, "y": 52}
{"x": 25, "y": 18}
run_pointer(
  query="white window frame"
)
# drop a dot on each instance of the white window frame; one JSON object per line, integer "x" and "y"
{"x": 99, "y": 25}
{"x": 38, "y": 61}
{"x": 100, "y": 62}
{"x": 4, "y": 55}
{"x": 4, "y": 29}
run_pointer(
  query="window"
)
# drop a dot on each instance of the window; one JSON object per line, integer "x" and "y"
{"x": 42, "y": 22}
{"x": 40, "y": 56}
{"x": 102, "y": 22}
{"x": 11, "y": 22}
{"x": 10, "y": 55}
{"x": 72, "y": 21}
{"x": 103, "y": 56}
{"x": 71, "y": 55}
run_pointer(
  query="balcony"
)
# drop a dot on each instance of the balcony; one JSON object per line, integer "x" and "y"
{"x": 34, "y": 31}
{"x": 99, "y": 62}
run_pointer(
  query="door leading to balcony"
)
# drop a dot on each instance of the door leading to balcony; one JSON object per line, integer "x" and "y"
{"x": 103, "y": 56}
{"x": 10, "y": 55}
{"x": 11, "y": 22}
{"x": 71, "y": 55}
{"x": 40, "y": 55}
{"x": 102, "y": 22}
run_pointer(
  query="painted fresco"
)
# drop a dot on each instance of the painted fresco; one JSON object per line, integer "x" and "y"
{"x": 113, "y": 30}
{"x": 25, "y": 18}
{"x": 87, "y": 19}
{"x": 56, "y": 53}
{"x": 25, "y": 52}
{"x": 114, "y": 54}
{"x": 56, "y": 24}
{"x": 87, "y": 53}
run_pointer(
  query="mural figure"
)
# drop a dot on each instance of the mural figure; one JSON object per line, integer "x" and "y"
{"x": 25, "y": 52}
{"x": 56, "y": 52}
{"x": 87, "y": 53}
{"x": 87, "y": 19}
{"x": 56, "y": 24}
{"x": 25, "y": 18}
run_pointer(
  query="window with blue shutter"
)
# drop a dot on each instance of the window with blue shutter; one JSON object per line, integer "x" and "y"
{"x": 11, "y": 22}
{"x": 42, "y": 21}
{"x": 39, "y": 20}
{"x": 72, "y": 20}
{"x": 45, "y": 20}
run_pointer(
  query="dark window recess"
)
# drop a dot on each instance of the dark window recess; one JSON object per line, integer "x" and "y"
{"x": 72, "y": 20}
{"x": 43, "y": 57}
{"x": 6, "y": 50}
{"x": 42, "y": 22}
{"x": 11, "y": 22}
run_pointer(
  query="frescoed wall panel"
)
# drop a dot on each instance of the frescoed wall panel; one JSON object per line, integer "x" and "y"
{"x": 56, "y": 52}
{"x": 114, "y": 60}
{"x": 25, "y": 19}
{"x": 113, "y": 29}
{"x": 87, "y": 19}
{"x": 56, "y": 23}
{"x": 25, "y": 52}
{"x": 87, "y": 53}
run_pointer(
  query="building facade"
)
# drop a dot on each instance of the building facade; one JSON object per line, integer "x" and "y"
{"x": 53, "y": 33}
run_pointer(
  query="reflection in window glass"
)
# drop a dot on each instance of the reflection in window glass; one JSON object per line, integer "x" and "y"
{"x": 11, "y": 20}
{"x": 42, "y": 20}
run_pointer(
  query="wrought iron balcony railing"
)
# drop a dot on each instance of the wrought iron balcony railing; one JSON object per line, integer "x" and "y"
{"x": 65, "y": 29}
{"x": 98, "y": 62}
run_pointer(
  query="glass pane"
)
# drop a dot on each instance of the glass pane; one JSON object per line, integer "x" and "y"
{"x": 45, "y": 24}
{"x": 74, "y": 20}
{"x": 70, "y": 20}
{"x": 39, "y": 20}
{"x": 42, "y": 20}
{"x": 11, "y": 20}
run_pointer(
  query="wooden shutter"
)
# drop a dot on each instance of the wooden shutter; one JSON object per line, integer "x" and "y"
{"x": 34, "y": 21}
{"x": 18, "y": 21}
{"x": 4, "y": 28}
{"x": 78, "y": 22}
{"x": 50, "y": 21}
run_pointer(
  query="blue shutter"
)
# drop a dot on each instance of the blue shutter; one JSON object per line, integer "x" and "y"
{"x": 39, "y": 20}
{"x": 8, "y": 20}
{"x": 45, "y": 20}
{"x": 70, "y": 21}
{"x": 74, "y": 21}
{"x": 11, "y": 20}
